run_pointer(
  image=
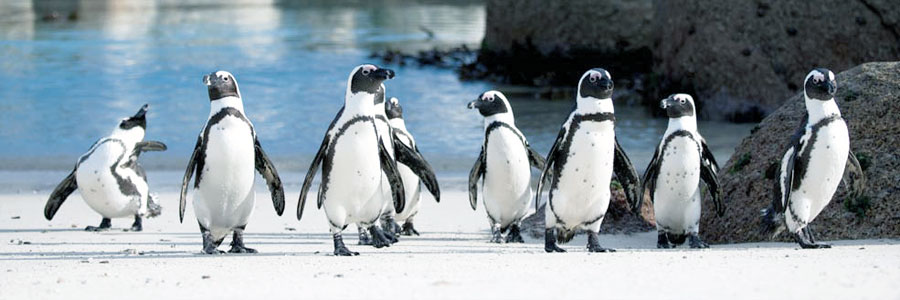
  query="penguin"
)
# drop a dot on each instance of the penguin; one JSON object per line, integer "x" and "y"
{"x": 225, "y": 156}
{"x": 580, "y": 165}
{"x": 673, "y": 176}
{"x": 385, "y": 132}
{"x": 410, "y": 164}
{"x": 353, "y": 158}
{"x": 504, "y": 166}
{"x": 813, "y": 163}
{"x": 109, "y": 177}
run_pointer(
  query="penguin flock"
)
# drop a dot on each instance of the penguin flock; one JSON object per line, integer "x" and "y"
{"x": 372, "y": 171}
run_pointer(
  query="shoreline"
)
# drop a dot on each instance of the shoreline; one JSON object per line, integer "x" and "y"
{"x": 451, "y": 259}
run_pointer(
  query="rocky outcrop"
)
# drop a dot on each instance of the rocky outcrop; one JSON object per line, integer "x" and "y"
{"x": 535, "y": 42}
{"x": 744, "y": 57}
{"x": 869, "y": 98}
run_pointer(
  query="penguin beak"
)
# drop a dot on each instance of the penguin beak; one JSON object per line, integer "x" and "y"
{"x": 383, "y": 74}
{"x": 474, "y": 104}
{"x": 832, "y": 87}
{"x": 207, "y": 79}
{"x": 605, "y": 84}
{"x": 142, "y": 112}
{"x": 664, "y": 103}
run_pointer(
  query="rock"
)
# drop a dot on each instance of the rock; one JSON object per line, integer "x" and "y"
{"x": 542, "y": 43}
{"x": 742, "y": 58}
{"x": 869, "y": 99}
{"x": 618, "y": 219}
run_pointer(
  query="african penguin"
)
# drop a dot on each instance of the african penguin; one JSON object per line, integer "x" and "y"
{"x": 681, "y": 160}
{"x": 504, "y": 163}
{"x": 813, "y": 164}
{"x": 109, "y": 177}
{"x": 353, "y": 159}
{"x": 225, "y": 157}
{"x": 409, "y": 168}
{"x": 580, "y": 165}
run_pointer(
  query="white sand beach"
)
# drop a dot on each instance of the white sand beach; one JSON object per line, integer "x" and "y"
{"x": 450, "y": 260}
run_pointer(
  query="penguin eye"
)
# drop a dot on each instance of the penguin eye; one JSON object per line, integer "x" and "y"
{"x": 365, "y": 72}
{"x": 491, "y": 99}
{"x": 593, "y": 79}
{"x": 681, "y": 100}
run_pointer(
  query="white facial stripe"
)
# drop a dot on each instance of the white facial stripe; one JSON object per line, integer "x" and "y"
{"x": 607, "y": 75}
{"x": 830, "y": 76}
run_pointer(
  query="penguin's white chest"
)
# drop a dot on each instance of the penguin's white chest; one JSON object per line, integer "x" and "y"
{"x": 582, "y": 190}
{"x": 677, "y": 195}
{"x": 101, "y": 189}
{"x": 827, "y": 160}
{"x": 411, "y": 184}
{"x": 507, "y": 179}
{"x": 225, "y": 195}
{"x": 355, "y": 176}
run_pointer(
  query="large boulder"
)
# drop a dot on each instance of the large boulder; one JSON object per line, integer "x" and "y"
{"x": 744, "y": 57}
{"x": 541, "y": 43}
{"x": 869, "y": 99}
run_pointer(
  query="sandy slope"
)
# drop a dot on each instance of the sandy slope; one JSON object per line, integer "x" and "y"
{"x": 41, "y": 259}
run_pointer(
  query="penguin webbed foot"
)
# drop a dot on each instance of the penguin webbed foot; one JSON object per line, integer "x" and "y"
{"x": 153, "y": 207}
{"x": 340, "y": 249}
{"x": 514, "y": 236}
{"x": 496, "y": 236}
{"x": 390, "y": 226}
{"x": 696, "y": 242}
{"x": 379, "y": 239}
{"x": 806, "y": 240}
{"x": 210, "y": 246}
{"x": 241, "y": 249}
{"x": 662, "y": 241}
{"x": 550, "y": 241}
{"x": 137, "y": 225}
{"x": 364, "y": 238}
{"x": 105, "y": 224}
{"x": 408, "y": 229}
{"x": 594, "y": 243}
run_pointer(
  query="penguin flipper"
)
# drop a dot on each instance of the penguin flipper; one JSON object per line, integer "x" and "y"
{"x": 145, "y": 146}
{"x": 310, "y": 174}
{"x": 389, "y": 167}
{"x": 192, "y": 164}
{"x": 859, "y": 184}
{"x": 626, "y": 175}
{"x": 417, "y": 163}
{"x": 649, "y": 180}
{"x": 475, "y": 174}
{"x": 548, "y": 166}
{"x": 535, "y": 158}
{"x": 782, "y": 187}
{"x": 265, "y": 168}
{"x": 709, "y": 172}
{"x": 59, "y": 195}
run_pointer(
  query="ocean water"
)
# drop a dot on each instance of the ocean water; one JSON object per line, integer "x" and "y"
{"x": 64, "y": 83}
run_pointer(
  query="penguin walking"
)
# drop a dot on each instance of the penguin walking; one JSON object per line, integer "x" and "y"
{"x": 813, "y": 164}
{"x": 410, "y": 164}
{"x": 504, "y": 165}
{"x": 673, "y": 176}
{"x": 353, "y": 159}
{"x": 225, "y": 157}
{"x": 385, "y": 132}
{"x": 580, "y": 165}
{"x": 109, "y": 177}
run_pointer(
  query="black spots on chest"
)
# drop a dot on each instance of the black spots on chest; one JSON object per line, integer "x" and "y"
{"x": 565, "y": 150}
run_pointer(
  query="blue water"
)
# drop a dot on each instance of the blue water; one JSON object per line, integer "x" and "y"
{"x": 63, "y": 83}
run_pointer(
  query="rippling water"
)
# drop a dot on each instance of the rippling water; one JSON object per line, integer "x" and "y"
{"x": 65, "y": 83}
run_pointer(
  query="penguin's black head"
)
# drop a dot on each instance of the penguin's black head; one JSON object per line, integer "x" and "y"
{"x": 596, "y": 83}
{"x": 221, "y": 84}
{"x": 678, "y": 105}
{"x": 137, "y": 120}
{"x": 392, "y": 109}
{"x": 490, "y": 103}
{"x": 368, "y": 79}
{"x": 820, "y": 84}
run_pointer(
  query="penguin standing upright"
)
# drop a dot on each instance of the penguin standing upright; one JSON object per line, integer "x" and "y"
{"x": 410, "y": 164}
{"x": 580, "y": 165}
{"x": 225, "y": 157}
{"x": 109, "y": 177}
{"x": 813, "y": 164}
{"x": 681, "y": 160}
{"x": 505, "y": 164}
{"x": 353, "y": 159}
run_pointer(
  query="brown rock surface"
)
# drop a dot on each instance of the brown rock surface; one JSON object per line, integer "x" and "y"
{"x": 869, "y": 99}
{"x": 746, "y": 57}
